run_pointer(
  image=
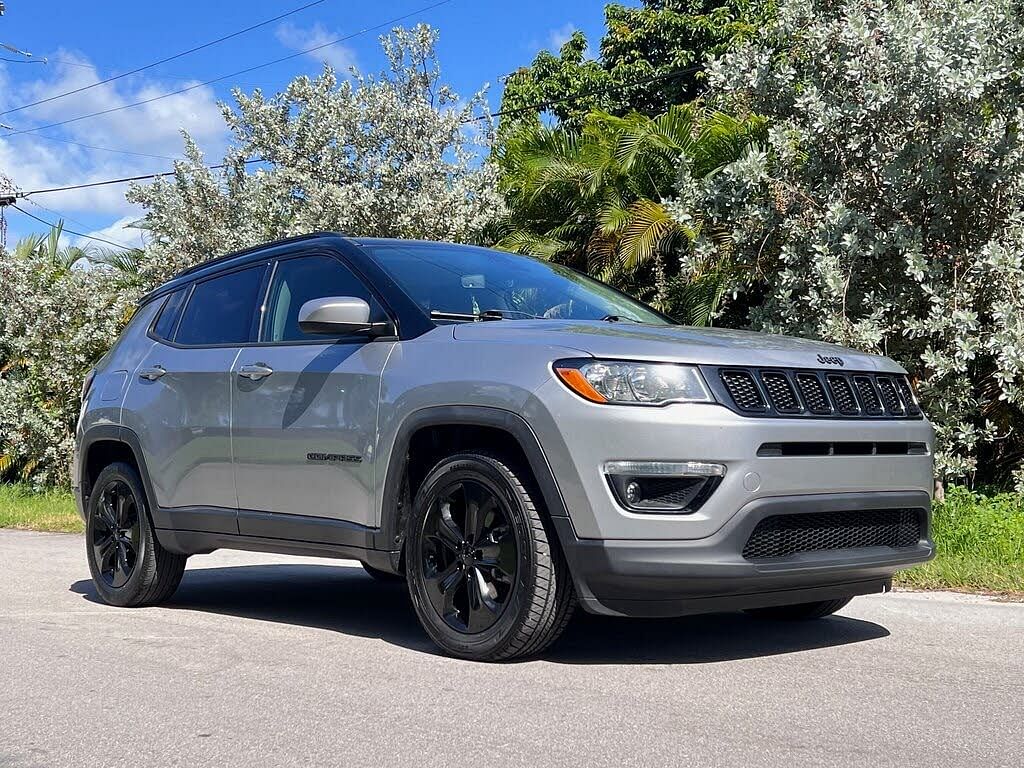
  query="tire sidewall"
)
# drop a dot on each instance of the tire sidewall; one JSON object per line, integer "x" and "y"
{"x": 492, "y": 640}
{"x": 128, "y": 594}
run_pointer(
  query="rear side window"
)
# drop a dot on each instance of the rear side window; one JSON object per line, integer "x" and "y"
{"x": 296, "y": 281}
{"x": 165, "y": 324}
{"x": 222, "y": 310}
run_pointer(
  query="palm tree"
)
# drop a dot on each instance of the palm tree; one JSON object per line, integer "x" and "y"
{"x": 48, "y": 248}
{"x": 594, "y": 199}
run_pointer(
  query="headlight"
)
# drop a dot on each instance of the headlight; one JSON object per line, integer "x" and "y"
{"x": 633, "y": 383}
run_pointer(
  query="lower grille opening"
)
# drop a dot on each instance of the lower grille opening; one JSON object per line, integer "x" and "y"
{"x": 785, "y": 535}
{"x": 844, "y": 448}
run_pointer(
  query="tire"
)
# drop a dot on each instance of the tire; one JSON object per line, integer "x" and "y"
{"x": 384, "y": 577}
{"x": 129, "y": 568}
{"x": 801, "y": 611}
{"x": 517, "y": 595}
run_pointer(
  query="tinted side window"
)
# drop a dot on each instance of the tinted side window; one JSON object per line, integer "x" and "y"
{"x": 222, "y": 310}
{"x": 296, "y": 281}
{"x": 164, "y": 327}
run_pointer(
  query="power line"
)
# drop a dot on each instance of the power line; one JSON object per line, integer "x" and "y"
{"x": 64, "y": 217}
{"x": 245, "y": 71}
{"x": 124, "y": 180}
{"x": 70, "y": 231}
{"x": 90, "y": 146}
{"x": 165, "y": 60}
{"x": 499, "y": 113}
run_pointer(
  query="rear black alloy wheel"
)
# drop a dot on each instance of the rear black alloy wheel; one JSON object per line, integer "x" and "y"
{"x": 485, "y": 579}
{"x": 469, "y": 555}
{"x": 116, "y": 533}
{"x": 128, "y": 565}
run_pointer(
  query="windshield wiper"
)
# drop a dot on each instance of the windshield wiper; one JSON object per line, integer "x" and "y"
{"x": 487, "y": 314}
{"x": 465, "y": 316}
{"x": 618, "y": 319}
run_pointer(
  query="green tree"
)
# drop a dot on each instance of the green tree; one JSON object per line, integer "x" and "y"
{"x": 651, "y": 59}
{"x": 887, "y": 214}
{"x": 593, "y": 198}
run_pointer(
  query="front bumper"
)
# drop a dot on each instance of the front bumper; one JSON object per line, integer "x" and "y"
{"x": 674, "y": 578}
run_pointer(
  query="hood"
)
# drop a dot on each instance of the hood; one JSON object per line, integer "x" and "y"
{"x": 675, "y": 343}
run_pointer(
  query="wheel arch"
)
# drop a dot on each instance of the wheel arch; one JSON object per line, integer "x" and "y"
{"x": 472, "y": 425}
{"x": 105, "y": 444}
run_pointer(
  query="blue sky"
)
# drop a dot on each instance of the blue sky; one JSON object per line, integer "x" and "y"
{"x": 85, "y": 42}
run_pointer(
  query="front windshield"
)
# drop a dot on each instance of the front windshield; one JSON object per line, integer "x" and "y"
{"x": 462, "y": 280}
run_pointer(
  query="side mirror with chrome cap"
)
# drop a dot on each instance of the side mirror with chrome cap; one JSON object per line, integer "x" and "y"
{"x": 340, "y": 315}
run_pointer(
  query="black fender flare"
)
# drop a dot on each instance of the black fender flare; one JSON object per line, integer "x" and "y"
{"x": 116, "y": 434}
{"x": 391, "y": 533}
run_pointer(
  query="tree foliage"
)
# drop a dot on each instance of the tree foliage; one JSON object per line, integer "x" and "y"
{"x": 393, "y": 155}
{"x": 61, "y": 307}
{"x": 593, "y": 198}
{"x": 887, "y": 214}
{"x": 651, "y": 58}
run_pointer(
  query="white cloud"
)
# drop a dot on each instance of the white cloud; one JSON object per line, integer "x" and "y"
{"x": 298, "y": 38}
{"x": 560, "y": 36}
{"x": 34, "y": 162}
{"x": 119, "y": 232}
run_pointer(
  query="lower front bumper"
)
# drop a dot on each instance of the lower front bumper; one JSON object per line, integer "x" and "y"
{"x": 674, "y": 578}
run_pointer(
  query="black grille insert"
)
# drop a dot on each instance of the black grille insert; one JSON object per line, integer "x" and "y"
{"x": 842, "y": 394}
{"x": 844, "y": 448}
{"x": 908, "y": 396}
{"x": 743, "y": 390}
{"x": 868, "y": 396}
{"x": 890, "y": 396}
{"x": 785, "y": 535}
{"x": 780, "y": 392}
{"x": 813, "y": 393}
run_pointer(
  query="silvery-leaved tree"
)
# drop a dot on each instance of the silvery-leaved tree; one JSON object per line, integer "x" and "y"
{"x": 393, "y": 155}
{"x": 888, "y": 210}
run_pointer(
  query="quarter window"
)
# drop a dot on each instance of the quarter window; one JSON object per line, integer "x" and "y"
{"x": 297, "y": 281}
{"x": 222, "y": 310}
{"x": 164, "y": 326}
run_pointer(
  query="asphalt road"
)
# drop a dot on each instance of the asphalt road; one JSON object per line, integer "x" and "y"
{"x": 265, "y": 660}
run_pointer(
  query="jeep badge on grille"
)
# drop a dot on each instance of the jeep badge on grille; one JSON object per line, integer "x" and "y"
{"x": 831, "y": 360}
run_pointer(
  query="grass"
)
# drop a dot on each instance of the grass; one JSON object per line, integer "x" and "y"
{"x": 21, "y": 507}
{"x": 979, "y": 538}
{"x": 980, "y": 545}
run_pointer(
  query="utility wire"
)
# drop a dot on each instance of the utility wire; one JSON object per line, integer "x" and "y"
{"x": 64, "y": 217}
{"x": 70, "y": 231}
{"x": 499, "y": 113}
{"x": 166, "y": 59}
{"x": 124, "y": 180}
{"x": 245, "y": 71}
{"x": 91, "y": 146}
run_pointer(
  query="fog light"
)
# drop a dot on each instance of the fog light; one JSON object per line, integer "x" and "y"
{"x": 633, "y": 494}
{"x": 672, "y": 487}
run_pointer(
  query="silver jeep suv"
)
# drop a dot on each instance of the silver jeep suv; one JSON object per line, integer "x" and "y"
{"x": 508, "y": 436}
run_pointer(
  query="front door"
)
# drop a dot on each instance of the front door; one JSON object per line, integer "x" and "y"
{"x": 305, "y": 408}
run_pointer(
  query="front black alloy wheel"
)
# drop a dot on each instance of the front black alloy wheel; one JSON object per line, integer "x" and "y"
{"x": 128, "y": 565}
{"x": 485, "y": 579}
{"x": 469, "y": 555}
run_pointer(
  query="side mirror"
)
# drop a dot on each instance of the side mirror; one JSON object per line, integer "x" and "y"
{"x": 337, "y": 316}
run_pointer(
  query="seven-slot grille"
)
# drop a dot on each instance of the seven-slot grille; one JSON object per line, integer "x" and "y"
{"x": 786, "y": 535}
{"x": 782, "y": 392}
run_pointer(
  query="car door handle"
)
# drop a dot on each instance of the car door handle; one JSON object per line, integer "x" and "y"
{"x": 152, "y": 374}
{"x": 255, "y": 372}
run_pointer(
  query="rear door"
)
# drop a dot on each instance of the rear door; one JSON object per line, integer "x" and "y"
{"x": 180, "y": 399}
{"x": 305, "y": 407}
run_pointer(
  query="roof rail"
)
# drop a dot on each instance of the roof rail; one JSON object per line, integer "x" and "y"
{"x": 252, "y": 249}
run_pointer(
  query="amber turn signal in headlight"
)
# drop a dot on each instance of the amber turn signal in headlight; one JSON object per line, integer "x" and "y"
{"x": 633, "y": 383}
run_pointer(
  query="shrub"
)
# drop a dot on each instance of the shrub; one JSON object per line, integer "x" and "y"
{"x": 887, "y": 212}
